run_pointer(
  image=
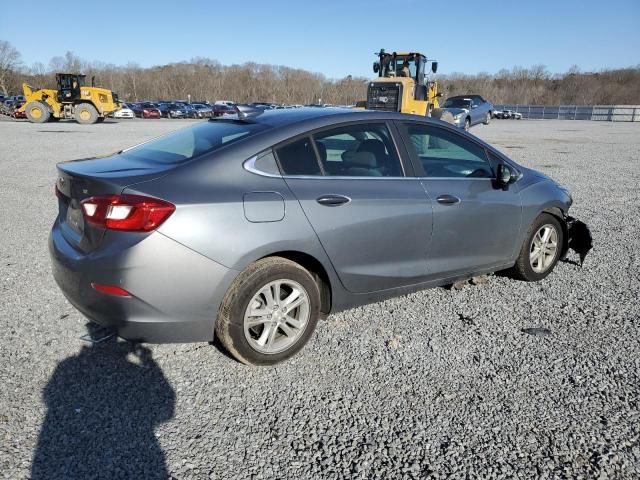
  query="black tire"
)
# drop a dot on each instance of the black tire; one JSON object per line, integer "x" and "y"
{"x": 230, "y": 322}
{"x": 488, "y": 119}
{"x": 37, "y": 112}
{"x": 85, "y": 114}
{"x": 523, "y": 270}
{"x": 467, "y": 124}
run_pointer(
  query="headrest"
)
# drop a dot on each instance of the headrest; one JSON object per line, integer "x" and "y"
{"x": 374, "y": 146}
{"x": 361, "y": 159}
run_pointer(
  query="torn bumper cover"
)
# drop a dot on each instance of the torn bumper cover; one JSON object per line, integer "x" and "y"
{"x": 579, "y": 238}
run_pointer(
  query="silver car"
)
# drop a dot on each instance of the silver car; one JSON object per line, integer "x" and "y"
{"x": 253, "y": 227}
{"x": 468, "y": 110}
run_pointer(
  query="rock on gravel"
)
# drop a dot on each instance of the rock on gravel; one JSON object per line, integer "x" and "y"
{"x": 463, "y": 393}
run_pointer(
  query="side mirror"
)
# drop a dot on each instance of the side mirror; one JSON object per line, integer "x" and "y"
{"x": 506, "y": 175}
{"x": 434, "y": 67}
{"x": 376, "y": 67}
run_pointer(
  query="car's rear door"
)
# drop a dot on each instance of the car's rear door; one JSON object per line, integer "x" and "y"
{"x": 475, "y": 222}
{"x": 372, "y": 219}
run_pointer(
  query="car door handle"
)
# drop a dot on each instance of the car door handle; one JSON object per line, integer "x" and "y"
{"x": 447, "y": 200}
{"x": 333, "y": 200}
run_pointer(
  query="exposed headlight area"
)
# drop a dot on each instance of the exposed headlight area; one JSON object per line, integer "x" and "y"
{"x": 566, "y": 190}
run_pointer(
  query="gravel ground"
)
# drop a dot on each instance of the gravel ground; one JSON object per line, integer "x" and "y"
{"x": 435, "y": 384}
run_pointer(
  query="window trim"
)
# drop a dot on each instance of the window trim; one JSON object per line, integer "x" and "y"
{"x": 389, "y": 125}
{"x": 250, "y": 164}
{"x": 417, "y": 164}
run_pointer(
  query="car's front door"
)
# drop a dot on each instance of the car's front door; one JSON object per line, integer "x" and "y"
{"x": 372, "y": 220}
{"x": 475, "y": 222}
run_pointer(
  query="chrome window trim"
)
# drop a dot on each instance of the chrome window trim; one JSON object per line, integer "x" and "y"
{"x": 250, "y": 166}
{"x": 342, "y": 177}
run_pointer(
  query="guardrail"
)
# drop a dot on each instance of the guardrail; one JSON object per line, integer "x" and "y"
{"x": 609, "y": 113}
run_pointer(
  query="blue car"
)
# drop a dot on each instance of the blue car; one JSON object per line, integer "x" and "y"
{"x": 468, "y": 110}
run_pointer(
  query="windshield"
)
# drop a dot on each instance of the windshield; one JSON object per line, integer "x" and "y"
{"x": 457, "y": 103}
{"x": 187, "y": 143}
{"x": 402, "y": 67}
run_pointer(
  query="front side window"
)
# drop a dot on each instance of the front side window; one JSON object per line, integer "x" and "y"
{"x": 363, "y": 150}
{"x": 445, "y": 154}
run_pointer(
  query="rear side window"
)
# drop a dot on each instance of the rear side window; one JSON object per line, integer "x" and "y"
{"x": 362, "y": 150}
{"x": 188, "y": 143}
{"x": 298, "y": 158}
{"x": 444, "y": 154}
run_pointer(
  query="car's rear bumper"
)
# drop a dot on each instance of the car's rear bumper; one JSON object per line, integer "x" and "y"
{"x": 175, "y": 292}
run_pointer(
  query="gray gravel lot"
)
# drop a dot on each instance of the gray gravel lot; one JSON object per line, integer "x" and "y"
{"x": 439, "y": 383}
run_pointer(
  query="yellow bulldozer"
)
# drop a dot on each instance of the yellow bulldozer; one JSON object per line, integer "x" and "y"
{"x": 403, "y": 84}
{"x": 73, "y": 100}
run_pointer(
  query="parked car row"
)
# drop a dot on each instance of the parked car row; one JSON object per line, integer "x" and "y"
{"x": 10, "y": 106}
{"x": 167, "y": 109}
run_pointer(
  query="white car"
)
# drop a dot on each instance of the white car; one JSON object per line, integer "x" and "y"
{"x": 511, "y": 114}
{"x": 124, "y": 112}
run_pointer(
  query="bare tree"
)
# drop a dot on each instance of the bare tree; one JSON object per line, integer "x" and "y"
{"x": 10, "y": 60}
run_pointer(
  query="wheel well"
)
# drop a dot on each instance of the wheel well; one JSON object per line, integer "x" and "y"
{"x": 316, "y": 269}
{"x": 560, "y": 215}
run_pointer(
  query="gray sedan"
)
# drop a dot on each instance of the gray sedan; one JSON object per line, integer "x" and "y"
{"x": 252, "y": 228}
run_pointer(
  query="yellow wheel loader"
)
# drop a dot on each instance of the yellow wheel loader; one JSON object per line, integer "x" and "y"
{"x": 73, "y": 99}
{"x": 403, "y": 84}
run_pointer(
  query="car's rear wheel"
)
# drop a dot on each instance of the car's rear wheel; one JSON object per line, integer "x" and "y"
{"x": 269, "y": 312}
{"x": 541, "y": 249}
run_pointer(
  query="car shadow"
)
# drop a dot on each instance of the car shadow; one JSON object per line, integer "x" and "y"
{"x": 103, "y": 405}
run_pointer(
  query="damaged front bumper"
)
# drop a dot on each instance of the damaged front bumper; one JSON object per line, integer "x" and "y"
{"x": 579, "y": 238}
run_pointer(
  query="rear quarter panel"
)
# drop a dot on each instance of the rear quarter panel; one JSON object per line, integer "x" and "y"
{"x": 211, "y": 217}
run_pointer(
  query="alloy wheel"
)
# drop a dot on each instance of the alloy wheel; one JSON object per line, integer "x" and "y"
{"x": 543, "y": 249}
{"x": 276, "y": 316}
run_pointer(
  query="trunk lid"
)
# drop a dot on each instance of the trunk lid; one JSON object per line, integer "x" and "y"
{"x": 81, "y": 179}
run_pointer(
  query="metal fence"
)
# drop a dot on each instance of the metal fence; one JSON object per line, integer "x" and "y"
{"x": 609, "y": 113}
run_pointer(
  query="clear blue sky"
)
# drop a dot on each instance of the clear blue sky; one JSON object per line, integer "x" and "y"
{"x": 336, "y": 38}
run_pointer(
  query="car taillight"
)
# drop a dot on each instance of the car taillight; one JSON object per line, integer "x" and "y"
{"x": 133, "y": 213}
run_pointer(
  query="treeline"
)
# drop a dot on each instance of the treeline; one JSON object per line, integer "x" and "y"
{"x": 206, "y": 79}
{"x": 537, "y": 86}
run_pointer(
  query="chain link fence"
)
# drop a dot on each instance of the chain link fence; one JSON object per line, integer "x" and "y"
{"x": 609, "y": 113}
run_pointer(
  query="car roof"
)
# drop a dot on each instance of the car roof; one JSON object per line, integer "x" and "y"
{"x": 327, "y": 116}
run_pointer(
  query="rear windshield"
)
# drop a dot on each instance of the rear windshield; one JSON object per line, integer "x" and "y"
{"x": 187, "y": 143}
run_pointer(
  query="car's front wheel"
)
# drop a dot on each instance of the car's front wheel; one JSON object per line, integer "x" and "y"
{"x": 541, "y": 249}
{"x": 269, "y": 312}
{"x": 487, "y": 120}
{"x": 467, "y": 124}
